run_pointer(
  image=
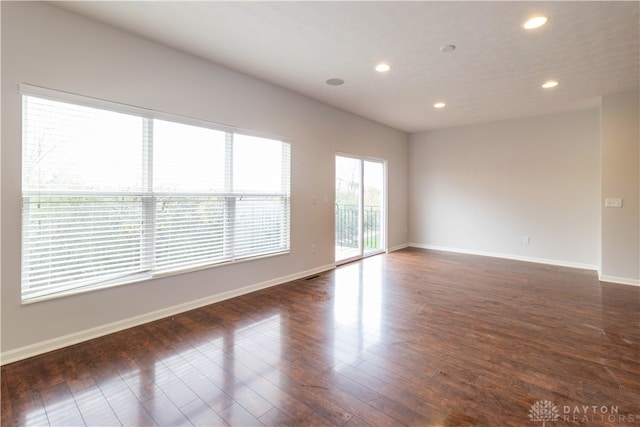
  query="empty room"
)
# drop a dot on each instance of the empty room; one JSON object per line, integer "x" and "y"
{"x": 320, "y": 213}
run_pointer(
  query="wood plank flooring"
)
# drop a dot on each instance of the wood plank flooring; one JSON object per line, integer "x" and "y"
{"x": 415, "y": 337}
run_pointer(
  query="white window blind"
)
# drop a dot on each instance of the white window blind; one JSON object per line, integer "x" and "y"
{"x": 110, "y": 197}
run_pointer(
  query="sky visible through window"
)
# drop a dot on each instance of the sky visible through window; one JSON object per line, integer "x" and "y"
{"x": 74, "y": 147}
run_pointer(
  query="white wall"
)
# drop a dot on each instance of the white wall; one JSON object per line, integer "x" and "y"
{"x": 620, "y": 151}
{"x": 47, "y": 46}
{"x": 482, "y": 188}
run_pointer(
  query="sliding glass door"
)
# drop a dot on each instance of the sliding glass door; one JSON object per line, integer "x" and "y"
{"x": 360, "y": 207}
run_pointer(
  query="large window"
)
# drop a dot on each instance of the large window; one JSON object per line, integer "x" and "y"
{"x": 113, "y": 194}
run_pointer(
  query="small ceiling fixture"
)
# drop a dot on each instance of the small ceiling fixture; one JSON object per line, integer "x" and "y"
{"x": 535, "y": 22}
{"x": 448, "y": 48}
{"x": 549, "y": 84}
{"x": 335, "y": 82}
{"x": 383, "y": 67}
{"x": 439, "y": 105}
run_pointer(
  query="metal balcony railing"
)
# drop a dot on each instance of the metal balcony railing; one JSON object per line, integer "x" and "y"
{"x": 347, "y": 231}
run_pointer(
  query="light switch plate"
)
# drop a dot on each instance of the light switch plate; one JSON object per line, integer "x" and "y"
{"x": 612, "y": 203}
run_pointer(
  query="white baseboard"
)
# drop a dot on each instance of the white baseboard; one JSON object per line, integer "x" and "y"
{"x": 619, "y": 280}
{"x": 559, "y": 263}
{"x": 398, "y": 247}
{"x": 88, "y": 334}
{"x": 601, "y": 277}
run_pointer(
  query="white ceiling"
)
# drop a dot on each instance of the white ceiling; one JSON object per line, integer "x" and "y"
{"x": 495, "y": 73}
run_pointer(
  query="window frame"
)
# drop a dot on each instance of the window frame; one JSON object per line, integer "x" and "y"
{"x": 148, "y": 229}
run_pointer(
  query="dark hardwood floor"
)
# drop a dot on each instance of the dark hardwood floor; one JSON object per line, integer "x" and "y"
{"x": 415, "y": 337}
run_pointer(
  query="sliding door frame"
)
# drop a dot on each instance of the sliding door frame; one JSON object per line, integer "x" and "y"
{"x": 383, "y": 208}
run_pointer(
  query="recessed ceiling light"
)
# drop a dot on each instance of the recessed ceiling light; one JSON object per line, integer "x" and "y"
{"x": 439, "y": 105}
{"x": 549, "y": 84}
{"x": 335, "y": 82}
{"x": 383, "y": 67}
{"x": 535, "y": 22}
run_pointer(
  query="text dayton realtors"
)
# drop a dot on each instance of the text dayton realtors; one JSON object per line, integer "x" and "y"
{"x": 585, "y": 414}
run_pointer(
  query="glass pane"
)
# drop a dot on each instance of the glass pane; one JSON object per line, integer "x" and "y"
{"x": 262, "y": 225}
{"x": 373, "y": 202}
{"x": 76, "y": 148}
{"x": 188, "y": 159}
{"x": 190, "y": 231}
{"x": 348, "y": 179}
{"x": 74, "y": 241}
{"x": 259, "y": 165}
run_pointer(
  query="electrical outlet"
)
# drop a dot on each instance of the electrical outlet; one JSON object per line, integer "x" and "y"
{"x": 313, "y": 248}
{"x": 526, "y": 240}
